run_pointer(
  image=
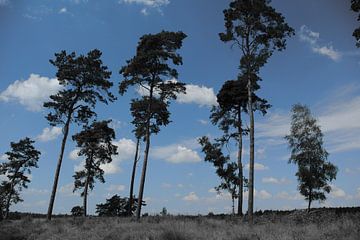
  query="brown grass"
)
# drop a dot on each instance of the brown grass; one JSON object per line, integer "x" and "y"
{"x": 293, "y": 226}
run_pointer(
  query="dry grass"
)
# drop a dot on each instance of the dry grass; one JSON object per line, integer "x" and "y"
{"x": 294, "y": 226}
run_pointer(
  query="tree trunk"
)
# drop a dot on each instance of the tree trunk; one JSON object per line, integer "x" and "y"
{"x": 86, "y": 187}
{"x": 58, "y": 167}
{"x": 131, "y": 198}
{"x": 252, "y": 155}
{"x": 146, "y": 155}
{"x": 240, "y": 174}
{"x": 310, "y": 198}
{"x": 233, "y": 206}
{"x": 7, "y": 207}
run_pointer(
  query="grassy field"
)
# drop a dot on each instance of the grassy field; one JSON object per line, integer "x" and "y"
{"x": 291, "y": 225}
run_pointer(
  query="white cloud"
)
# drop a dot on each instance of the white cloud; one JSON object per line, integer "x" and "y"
{"x": 63, "y": 10}
{"x": 49, "y": 134}
{"x": 195, "y": 94}
{"x": 149, "y": 3}
{"x": 126, "y": 150}
{"x": 74, "y": 154}
{"x": 116, "y": 188}
{"x": 191, "y": 197}
{"x": 286, "y": 196}
{"x": 31, "y": 93}
{"x": 337, "y": 192}
{"x": 153, "y": 4}
{"x": 328, "y": 51}
{"x": 175, "y": 154}
{"x": 273, "y": 180}
{"x": 263, "y": 194}
{"x": 257, "y": 167}
{"x": 312, "y": 38}
{"x": 4, "y": 157}
{"x": 203, "y": 122}
{"x": 200, "y": 95}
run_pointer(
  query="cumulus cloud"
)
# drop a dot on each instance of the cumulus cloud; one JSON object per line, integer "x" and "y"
{"x": 67, "y": 190}
{"x": 200, "y": 95}
{"x": 312, "y": 38}
{"x": 263, "y": 194}
{"x": 31, "y": 93}
{"x": 116, "y": 188}
{"x": 175, "y": 154}
{"x": 195, "y": 94}
{"x": 126, "y": 150}
{"x": 273, "y": 180}
{"x": 337, "y": 192}
{"x": 191, "y": 197}
{"x": 63, "y": 10}
{"x": 287, "y": 196}
{"x": 49, "y": 134}
{"x": 153, "y": 4}
{"x": 257, "y": 167}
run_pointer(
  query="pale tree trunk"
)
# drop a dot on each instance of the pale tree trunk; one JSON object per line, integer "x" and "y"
{"x": 146, "y": 155}
{"x": 131, "y": 198}
{"x": 240, "y": 173}
{"x": 233, "y": 205}
{"x": 58, "y": 167}
{"x": 252, "y": 155}
{"x": 7, "y": 207}
{"x": 86, "y": 187}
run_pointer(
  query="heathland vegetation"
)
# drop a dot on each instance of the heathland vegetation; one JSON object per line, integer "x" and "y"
{"x": 257, "y": 30}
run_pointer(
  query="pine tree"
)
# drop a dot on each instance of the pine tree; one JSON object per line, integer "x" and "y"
{"x": 21, "y": 158}
{"x": 95, "y": 144}
{"x": 150, "y": 70}
{"x": 355, "y": 6}
{"x": 307, "y": 152}
{"x": 85, "y": 80}
{"x": 258, "y": 30}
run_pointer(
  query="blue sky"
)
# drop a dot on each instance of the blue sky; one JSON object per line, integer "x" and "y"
{"x": 320, "y": 68}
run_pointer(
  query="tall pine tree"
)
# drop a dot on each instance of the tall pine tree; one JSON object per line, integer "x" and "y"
{"x": 85, "y": 80}
{"x": 258, "y": 30}
{"x": 150, "y": 70}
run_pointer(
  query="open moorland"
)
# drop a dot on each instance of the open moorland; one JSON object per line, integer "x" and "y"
{"x": 325, "y": 223}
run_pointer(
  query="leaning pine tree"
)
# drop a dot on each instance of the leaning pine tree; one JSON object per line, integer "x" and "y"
{"x": 95, "y": 144}
{"x": 84, "y": 81}
{"x": 150, "y": 71}
{"x": 22, "y": 157}
{"x": 307, "y": 152}
{"x": 258, "y": 30}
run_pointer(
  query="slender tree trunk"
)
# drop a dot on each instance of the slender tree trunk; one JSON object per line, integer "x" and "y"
{"x": 131, "y": 198}
{"x": 252, "y": 155}
{"x": 233, "y": 206}
{"x": 146, "y": 155}
{"x": 86, "y": 187}
{"x": 8, "y": 203}
{"x": 310, "y": 198}
{"x": 240, "y": 173}
{"x": 58, "y": 167}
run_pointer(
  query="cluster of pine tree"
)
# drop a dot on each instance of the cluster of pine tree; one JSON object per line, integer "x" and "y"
{"x": 253, "y": 26}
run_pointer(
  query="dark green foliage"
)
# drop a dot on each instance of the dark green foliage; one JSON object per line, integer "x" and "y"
{"x": 307, "y": 152}
{"x": 225, "y": 169}
{"x": 85, "y": 81}
{"x": 117, "y": 206}
{"x": 77, "y": 211}
{"x": 21, "y": 158}
{"x": 355, "y": 6}
{"x": 150, "y": 69}
{"x": 95, "y": 144}
{"x": 258, "y": 30}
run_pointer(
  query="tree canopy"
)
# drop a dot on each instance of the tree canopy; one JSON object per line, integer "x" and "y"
{"x": 307, "y": 152}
